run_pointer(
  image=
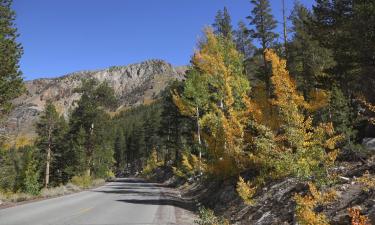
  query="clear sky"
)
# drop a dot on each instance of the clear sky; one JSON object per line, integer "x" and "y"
{"x": 62, "y": 36}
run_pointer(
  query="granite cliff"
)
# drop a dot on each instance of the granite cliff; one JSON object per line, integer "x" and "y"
{"x": 133, "y": 84}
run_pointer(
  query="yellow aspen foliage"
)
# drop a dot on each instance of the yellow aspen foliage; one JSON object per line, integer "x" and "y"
{"x": 319, "y": 99}
{"x": 227, "y": 106}
{"x": 265, "y": 112}
{"x": 367, "y": 180}
{"x": 190, "y": 165}
{"x": 19, "y": 142}
{"x": 305, "y": 206}
{"x": 357, "y": 218}
{"x": 152, "y": 163}
{"x": 246, "y": 191}
{"x": 369, "y": 106}
{"x": 301, "y": 147}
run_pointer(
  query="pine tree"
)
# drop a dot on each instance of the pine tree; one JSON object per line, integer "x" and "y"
{"x": 244, "y": 41}
{"x": 11, "y": 84}
{"x": 307, "y": 60}
{"x": 90, "y": 116}
{"x": 119, "y": 150}
{"x": 223, "y": 24}
{"x": 346, "y": 28}
{"x": 58, "y": 162}
{"x": 263, "y": 24}
{"x": 46, "y": 128}
{"x": 341, "y": 115}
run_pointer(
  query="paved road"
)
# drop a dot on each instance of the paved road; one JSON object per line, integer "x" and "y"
{"x": 125, "y": 201}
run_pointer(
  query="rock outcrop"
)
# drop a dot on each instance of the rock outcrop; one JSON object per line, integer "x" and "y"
{"x": 134, "y": 84}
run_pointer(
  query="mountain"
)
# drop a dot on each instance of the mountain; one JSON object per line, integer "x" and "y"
{"x": 133, "y": 84}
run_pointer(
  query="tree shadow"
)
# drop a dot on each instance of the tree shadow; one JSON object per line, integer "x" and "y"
{"x": 149, "y": 193}
{"x": 187, "y": 205}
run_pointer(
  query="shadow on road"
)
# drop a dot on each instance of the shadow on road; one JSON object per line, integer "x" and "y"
{"x": 138, "y": 191}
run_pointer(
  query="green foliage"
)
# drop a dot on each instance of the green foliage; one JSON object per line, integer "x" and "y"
{"x": 83, "y": 181}
{"x": 30, "y": 173}
{"x": 89, "y": 126}
{"x": 152, "y": 163}
{"x": 263, "y": 22}
{"x": 243, "y": 41}
{"x": 50, "y": 130}
{"x": 263, "y": 26}
{"x": 308, "y": 61}
{"x": 11, "y": 82}
{"x": 340, "y": 113}
{"x": 223, "y": 24}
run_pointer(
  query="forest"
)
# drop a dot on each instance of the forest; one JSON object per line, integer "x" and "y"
{"x": 255, "y": 106}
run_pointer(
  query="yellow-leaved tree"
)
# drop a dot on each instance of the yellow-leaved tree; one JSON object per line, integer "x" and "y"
{"x": 303, "y": 148}
{"x": 293, "y": 146}
{"x": 226, "y": 105}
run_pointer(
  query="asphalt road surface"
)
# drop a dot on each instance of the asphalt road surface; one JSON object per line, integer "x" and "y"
{"x": 125, "y": 201}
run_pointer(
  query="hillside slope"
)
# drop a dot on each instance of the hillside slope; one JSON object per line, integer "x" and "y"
{"x": 134, "y": 84}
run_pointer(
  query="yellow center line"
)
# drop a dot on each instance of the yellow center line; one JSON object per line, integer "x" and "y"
{"x": 83, "y": 210}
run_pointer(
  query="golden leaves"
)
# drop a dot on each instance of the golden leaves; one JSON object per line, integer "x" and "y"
{"x": 246, "y": 191}
{"x": 357, "y": 218}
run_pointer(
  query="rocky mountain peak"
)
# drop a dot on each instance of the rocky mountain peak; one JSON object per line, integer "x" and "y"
{"x": 134, "y": 84}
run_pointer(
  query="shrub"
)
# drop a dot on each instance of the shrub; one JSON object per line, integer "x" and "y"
{"x": 207, "y": 217}
{"x": 357, "y": 218}
{"x": 245, "y": 191}
{"x": 152, "y": 163}
{"x": 55, "y": 191}
{"x": 305, "y": 208}
{"x": 367, "y": 181}
{"x": 15, "y": 197}
{"x": 84, "y": 181}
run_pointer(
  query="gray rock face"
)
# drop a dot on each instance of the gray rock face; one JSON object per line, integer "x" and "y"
{"x": 369, "y": 143}
{"x": 134, "y": 84}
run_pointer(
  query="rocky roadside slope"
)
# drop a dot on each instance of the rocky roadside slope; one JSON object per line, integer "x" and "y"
{"x": 274, "y": 203}
{"x": 134, "y": 84}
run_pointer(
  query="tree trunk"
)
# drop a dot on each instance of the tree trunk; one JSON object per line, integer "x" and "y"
{"x": 199, "y": 141}
{"x": 48, "y": 160}
{"x": 90, "y": 151}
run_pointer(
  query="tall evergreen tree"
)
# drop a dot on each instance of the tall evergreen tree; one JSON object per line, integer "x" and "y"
{"x": 263, "y": 24}
{"x": 308, "y": 60}
{"x": 223, "y": 24}
{"x": 243, "y": 41}
{"x": 11, "y": 84}
{"x": 89, "y": 114}
{"x": 46, "y": 129}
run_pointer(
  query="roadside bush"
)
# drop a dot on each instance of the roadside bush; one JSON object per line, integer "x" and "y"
{"x": 152, "y": 163}
{"x": 245, "y": 191}
{"x": 82, "y": 181}
{"x": 15, "y": 197}
{"x": 207, "y": 217}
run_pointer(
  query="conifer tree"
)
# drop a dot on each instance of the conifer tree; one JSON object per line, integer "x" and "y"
{"x": 263, "y": 24}
{"x": 11, "y": 84}
{"x": 46, "y": 129}
{"x": 340, "y": 114}
{"x": 307, "y": 60}
{"x": 223, "y": 24}
{"x": 243, "y": 41}
{"x": 90, "y": 116}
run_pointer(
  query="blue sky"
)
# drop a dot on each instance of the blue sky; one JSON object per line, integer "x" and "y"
{"x": 71, "y": 35}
